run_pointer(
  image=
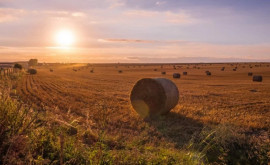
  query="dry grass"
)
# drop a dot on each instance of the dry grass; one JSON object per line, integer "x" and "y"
{"x": 225, "y": 98}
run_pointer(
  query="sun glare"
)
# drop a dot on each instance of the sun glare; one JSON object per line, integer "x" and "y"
{"x": 65, "y": 38}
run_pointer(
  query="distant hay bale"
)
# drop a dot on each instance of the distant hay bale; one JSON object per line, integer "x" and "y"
{"x": 92, "y": 71}
{"x": 223, "y": 68}
{"x": 176, "y": 75}
{"x": 257, "y": 78}
{"x": 32, "y": 71}
{"x": 51, "y": 70}
{"x": 155, "y": 69}
{"x": 163, "y": 72}
{"x": 120, "y": 71}
{"x": 208, "y": 73}
{"x": 250, "y": 73}
{"x": 184, "y": 73}
{"x": 154, "y": 96}
{"x": 234, "y": 69}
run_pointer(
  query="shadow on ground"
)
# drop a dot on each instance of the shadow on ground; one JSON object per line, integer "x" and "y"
{"x": 176, "y": 128}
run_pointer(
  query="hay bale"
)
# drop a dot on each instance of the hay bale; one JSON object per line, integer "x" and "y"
{"x": 92, "y": 71}
{"x": 250, "y": 73}
{"x": 176, "y": 75}
{"x": 234, "y": 69}
{"x": 155, "y": 69}
{"x": 223, "y": 68}
{"x": 184, "y": 73}
{"x": 32, "y": 71}
{"x": 120, "y": 71}
{"x": 154, "y": 96}
{"x": 51, "y": 70}
{"x": 257, "y": 78}
{"x": 208, "y": 73}
{"x": 163, "y": 72}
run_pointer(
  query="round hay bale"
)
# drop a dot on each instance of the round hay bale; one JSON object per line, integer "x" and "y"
{"x": 176, "y": 75}
{"x": 120, "y": 71}
{"x": 257, "y": 78}
{"x": 208, "y": 73}
{"x": 32, "y": 71}
{"x": 155, "y": 69}
{"x": 51, "y": 70}
{"x": 250, "y": 73}
{"x": 92, "y": 70}
{"x": 163, "y": 72}
{"x": 154, "y": 96}
{"x": 184, "y": 73}
{"x": 234, "y": 69}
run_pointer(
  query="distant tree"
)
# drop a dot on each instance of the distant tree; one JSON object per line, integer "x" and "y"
{"x": 18, "y": 66}
{"x": 33, "y": 62}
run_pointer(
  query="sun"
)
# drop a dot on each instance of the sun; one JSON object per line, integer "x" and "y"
{"x": 65, "y": 38}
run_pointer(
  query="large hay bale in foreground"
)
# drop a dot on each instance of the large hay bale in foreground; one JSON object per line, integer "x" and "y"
{"x": 257, "y": 78}
{"x": 176, "y": 75}
{"x": 32, "y": 71}
{"x": 154, "y": 96}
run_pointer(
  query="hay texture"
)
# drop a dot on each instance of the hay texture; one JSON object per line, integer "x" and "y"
{"x": 154, "y": 96}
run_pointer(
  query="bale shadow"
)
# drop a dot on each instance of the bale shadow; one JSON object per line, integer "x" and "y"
{"x": 176, "y": 128}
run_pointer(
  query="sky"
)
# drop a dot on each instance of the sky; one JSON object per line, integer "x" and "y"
{"x": 135, "y": 31}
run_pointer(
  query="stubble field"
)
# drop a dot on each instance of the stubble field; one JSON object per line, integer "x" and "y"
{"x": 100, "y": 101}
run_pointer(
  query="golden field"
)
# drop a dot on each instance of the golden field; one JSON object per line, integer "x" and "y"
{"x": 227, "y": 103}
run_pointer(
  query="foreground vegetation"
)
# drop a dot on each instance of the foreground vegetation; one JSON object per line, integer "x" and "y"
{"x": 40, "y": 134}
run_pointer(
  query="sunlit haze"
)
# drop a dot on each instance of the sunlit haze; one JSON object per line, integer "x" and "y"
{"x": 135, "y": 30}
{"x": 65, "y": 38}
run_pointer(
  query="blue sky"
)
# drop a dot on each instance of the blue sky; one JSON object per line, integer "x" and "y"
{"x": 136, "y": 30}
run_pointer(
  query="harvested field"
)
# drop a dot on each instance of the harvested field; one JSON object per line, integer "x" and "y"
{"x": 227, "y": 97}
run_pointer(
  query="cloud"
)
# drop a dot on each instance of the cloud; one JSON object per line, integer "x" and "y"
{"x": 178, "y": 17}
{"x": 9, "y": 14}
{"x": 189, "y": 52}
{"x": 143, "y": 41}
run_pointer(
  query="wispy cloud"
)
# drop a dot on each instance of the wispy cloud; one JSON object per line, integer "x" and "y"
{"x": 178, "y": 17}
{"x": 9, "y": 14}
{"x": 143, "y": 41}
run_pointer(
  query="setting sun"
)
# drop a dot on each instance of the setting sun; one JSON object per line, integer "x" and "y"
{"x": 65, "y": 38}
